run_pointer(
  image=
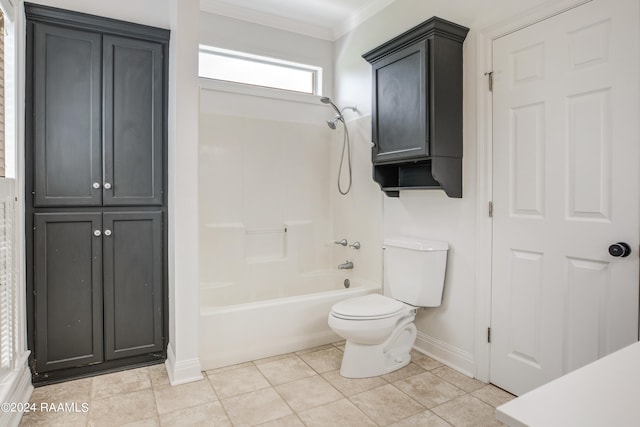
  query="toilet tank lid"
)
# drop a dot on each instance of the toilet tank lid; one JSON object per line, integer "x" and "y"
{"x": 416, "y": 244}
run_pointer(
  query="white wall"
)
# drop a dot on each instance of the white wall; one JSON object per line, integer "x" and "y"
{"x": 448, "y": 332}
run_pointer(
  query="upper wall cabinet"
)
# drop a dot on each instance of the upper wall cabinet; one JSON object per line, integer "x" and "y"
{"x": 417, "y": 109}
{"x": 111, "y": 88}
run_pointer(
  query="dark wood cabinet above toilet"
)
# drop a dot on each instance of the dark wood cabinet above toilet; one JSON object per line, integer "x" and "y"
{"x": 417, "y": 109}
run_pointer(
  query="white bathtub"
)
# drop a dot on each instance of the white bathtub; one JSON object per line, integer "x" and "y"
{"x": 231, "y": 334}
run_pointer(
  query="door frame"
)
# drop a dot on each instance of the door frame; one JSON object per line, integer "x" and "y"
{"x": 484, "y": 185}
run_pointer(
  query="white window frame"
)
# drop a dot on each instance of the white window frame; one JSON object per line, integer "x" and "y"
{"x": 316, "y": 72}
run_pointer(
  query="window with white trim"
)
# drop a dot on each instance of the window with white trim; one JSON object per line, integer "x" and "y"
{"x": 245, "y": 68}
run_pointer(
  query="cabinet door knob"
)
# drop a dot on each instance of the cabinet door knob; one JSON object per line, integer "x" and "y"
{"x": 96, "y": 185}
{"x": 97, "y": 233}
{"x": 107, "y": 232}
{"x": 107, "y": 186}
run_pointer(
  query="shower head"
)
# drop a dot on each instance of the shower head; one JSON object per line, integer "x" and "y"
{"x": 327, "y": 100}
{"x": 332, "y": 123}
{"x": 339, "y": 117}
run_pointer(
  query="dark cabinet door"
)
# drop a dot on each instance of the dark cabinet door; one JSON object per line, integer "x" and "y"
{"x": 133, "y": 103}
{"x": 132, "y": 283}
{"x": 68, "y": 300}
{"x": 67, "y": 89}
{"x": 400, "y": 107}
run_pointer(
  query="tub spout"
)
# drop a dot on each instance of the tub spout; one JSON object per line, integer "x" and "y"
{"x": 348, "y": 265}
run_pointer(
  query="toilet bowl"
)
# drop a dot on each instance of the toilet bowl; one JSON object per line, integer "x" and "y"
{"x": 379, "y": 332}
{"x": 379, "y": 329}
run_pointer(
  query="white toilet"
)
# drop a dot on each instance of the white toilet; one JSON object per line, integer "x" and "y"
{"x": 379, "y": 329}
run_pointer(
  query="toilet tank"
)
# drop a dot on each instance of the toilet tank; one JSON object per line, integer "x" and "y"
{"x": 414, "y": 270}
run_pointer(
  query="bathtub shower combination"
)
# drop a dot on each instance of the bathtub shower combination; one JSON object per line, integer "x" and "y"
{"x": 237, "y": 333}
{"x": 268, "y": 269}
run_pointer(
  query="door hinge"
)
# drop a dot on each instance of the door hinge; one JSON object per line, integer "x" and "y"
{"x": 490, "y": 74}
{"x": 489, "y": 334}
{"x": 490, "y": 209}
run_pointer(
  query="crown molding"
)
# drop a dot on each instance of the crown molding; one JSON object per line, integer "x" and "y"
{"x": 358, "y": 17}
{"x": 272, "y": 20}
{"x": 266, "y": 19}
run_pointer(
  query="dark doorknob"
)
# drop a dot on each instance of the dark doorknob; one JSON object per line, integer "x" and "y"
{"x": 620, "y": 249}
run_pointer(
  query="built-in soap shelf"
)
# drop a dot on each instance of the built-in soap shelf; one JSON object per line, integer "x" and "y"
{"x": 265, "y": 244}
{"x": 259, "y": 244}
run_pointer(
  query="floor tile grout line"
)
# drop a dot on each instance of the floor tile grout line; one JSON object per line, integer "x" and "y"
{"x": 388, "y": 383}
{"x": 316, "y": 374}
{"x": 215, "y": 392}
{"x": 155, "y": 401}
{"x": 186, "y": 407}
{"x": 294, "y": 412}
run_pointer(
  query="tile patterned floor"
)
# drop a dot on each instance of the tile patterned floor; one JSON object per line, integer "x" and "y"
{"x": 292, "y": 390}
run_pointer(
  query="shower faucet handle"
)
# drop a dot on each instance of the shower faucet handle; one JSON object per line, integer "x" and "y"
{"x": 355, "y": 245}
{"x": 342, "y": 242}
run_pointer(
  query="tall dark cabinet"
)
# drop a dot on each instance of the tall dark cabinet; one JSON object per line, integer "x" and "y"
{"x": 96, "y": 162}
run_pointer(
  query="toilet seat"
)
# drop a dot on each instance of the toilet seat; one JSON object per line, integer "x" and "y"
{"x": 368, "y": 307}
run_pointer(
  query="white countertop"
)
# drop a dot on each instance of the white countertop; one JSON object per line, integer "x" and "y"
{"x": 603, "y": 393}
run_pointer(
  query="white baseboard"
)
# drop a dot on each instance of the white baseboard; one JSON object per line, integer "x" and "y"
{"x": 452, "y": 356}
{"x": 16, "y": 388}
{"x": 183, "y": 371}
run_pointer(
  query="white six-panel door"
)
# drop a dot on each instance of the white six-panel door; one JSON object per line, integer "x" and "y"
{"x": 566, "y": 185}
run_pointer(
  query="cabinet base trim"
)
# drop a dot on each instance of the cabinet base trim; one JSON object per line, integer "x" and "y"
{"x": 52, "y": 377}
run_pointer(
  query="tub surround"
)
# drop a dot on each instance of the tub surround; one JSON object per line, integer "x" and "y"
{"x": 263, "y": 192}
